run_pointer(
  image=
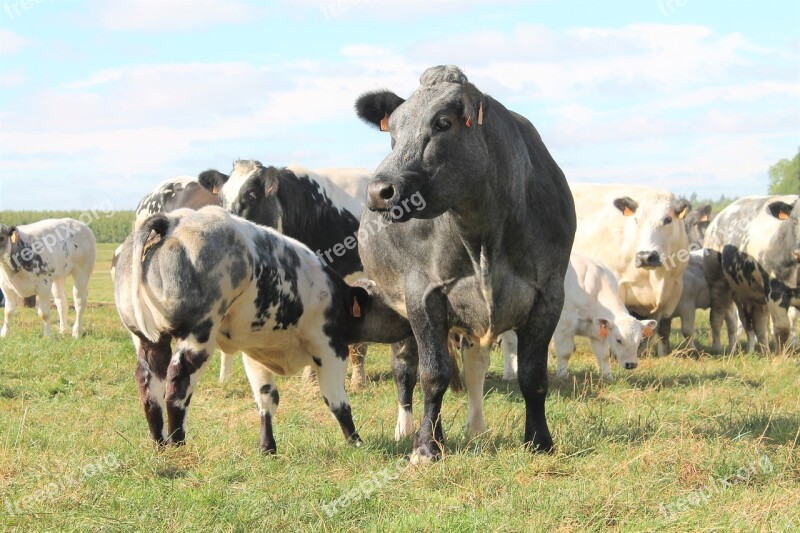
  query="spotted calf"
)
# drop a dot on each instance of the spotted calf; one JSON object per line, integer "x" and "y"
{"x": 35, "y": 259}
{"x": 209, "y": 279}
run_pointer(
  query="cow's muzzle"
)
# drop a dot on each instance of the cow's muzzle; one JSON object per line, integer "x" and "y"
{"x": 649, "y": 259}
{"x": 385, "y": 192}
{"x": 631, "y": 366}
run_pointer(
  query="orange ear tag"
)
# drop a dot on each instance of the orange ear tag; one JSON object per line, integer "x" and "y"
{"x": 648, "y": 331}
{"x": 14, "y": 238}
{"x": 215, "y": 190}
{"x": 385, "y": 122}
{"x": 627, "y": 212}
{"x": 603, "y": 331}
{"x": 356, "y": 310}
{"x": 783, "y": 215}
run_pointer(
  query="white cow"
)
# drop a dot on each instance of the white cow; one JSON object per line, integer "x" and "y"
{"x": 592, "y": 309}
{"x": 35, "y": 259}
{"x": 638, "y": 232}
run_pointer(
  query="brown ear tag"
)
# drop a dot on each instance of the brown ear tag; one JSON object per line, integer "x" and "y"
{"x": 14, "y": 238}
{"x": 480, "y": 115}
{"x": 627, "y": 212}
{"x": 356, "y": 310}
{"x": 603, "y": 334}
{"x": 385, "y": 122}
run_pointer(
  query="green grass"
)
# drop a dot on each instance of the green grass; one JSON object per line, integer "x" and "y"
{"x": 657, "y": 435}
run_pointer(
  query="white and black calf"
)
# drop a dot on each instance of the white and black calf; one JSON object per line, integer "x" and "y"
{"x": 753, "y": 257}
{"x": 35, "y": 259}
{"x": 318, "y": 208}
{"x": 183, "y": 191}
{"x": 208, "y": 279}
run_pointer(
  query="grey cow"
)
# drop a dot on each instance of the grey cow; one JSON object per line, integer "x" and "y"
{"x": 207, "y": 278}
{"x": 753, "y": 256}
{"x": 487, "y": 253}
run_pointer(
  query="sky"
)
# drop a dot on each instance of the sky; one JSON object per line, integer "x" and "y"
{"x": 102, "y": 100}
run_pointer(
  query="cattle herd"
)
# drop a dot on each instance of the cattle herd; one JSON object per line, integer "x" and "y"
{"x": 470, "y": 232}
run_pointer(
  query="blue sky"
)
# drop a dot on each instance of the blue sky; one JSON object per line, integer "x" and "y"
{"x": 102, "y": 100}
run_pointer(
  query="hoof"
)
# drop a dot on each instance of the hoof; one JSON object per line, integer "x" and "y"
{"x": 540, "y": 445}
{"x": 268, "y": 450}
{"x": 355, "y": 440}
{"x": 423, "y": 456}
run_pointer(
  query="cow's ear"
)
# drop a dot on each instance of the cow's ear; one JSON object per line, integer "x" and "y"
{"x": 357, "y": 302}
{"x": 780, "y": 210}
{"x": 376, "y": 107}
{"x": 682, "y": 208}
{"x": 627, "y": 206}
{"x": 474, "y": 106}
{"x": 603, "y": 327}
{"x": 704, "y": 213}
{"x": 648, "y": 328}
{"x": 213, "y": 180}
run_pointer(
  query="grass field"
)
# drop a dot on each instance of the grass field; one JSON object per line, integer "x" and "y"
{"x": 679, "y": 444}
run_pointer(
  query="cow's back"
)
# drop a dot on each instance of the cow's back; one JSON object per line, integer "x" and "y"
{"x": 346, "y": 187}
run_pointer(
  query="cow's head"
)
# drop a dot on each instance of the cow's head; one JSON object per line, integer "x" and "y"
{"x": 8, "y": 236}
{"x": 251, "y": 192}
{"x": 370, "y": 317}
{"x": 624, "y": 337}
{"x": 213, "y": 180}
{"x": 789, "y": 214}
{"x": 660, "y": 228}
{"x": 439, "y": 148}
{"x": 696, "y": 223}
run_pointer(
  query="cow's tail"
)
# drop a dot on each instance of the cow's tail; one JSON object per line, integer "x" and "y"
{"x": 149, "y": 234}
{"x": 454, "y": 351}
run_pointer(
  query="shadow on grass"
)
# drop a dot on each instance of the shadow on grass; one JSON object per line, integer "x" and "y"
{"x": 776, "y": 430}
{"x": 646, "y": 381}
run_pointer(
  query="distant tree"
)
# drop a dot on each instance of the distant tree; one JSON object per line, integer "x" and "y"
{"x": 784, "y": 176}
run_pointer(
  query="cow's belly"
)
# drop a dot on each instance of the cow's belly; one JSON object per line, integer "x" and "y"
{"x": 23, "y": 283}
{"x": 280, "y": 351}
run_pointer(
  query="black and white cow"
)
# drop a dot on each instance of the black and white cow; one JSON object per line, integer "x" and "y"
{"x": 318, "y": 208}
{"x": 476, "y": 223}
{"x": 753, "y": 256}
{"x": 183, "y": 191}
{"x": 35, "y": 259}
{"x": 209, "y": 279}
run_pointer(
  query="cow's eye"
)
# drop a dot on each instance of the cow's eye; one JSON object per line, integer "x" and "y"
{"x": 442, "y": 124}
{"x": 619, "y": 341}
{"x": 252, "y": 196}
{"x": 668, "y": 220}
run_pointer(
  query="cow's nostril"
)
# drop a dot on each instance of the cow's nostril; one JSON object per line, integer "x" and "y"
{"x": 631, "y": 366}
{"x": 387, "y": 192}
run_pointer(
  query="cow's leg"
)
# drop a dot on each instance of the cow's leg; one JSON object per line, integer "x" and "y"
{"x": 534, "y": 338}
{"x": 781, "y": 328}
{"x": 151, "y": 376}
{"x": 601, "y": 352}
{"x": 226, "y": 366}
{"x": 508, "y": 341}
{"x": 185, "y": 369}
{"x": 427, "y": 314}
{"x": 404, "y": 361}
{"x": 9, "y": 308}
{"x": 358, "y": 380}
{"x": 80, "y": 292}
{"x": 761, "y": 326}
{"x": 332, "y": 372}
{"x": 732, "y": 327}
{"x": 565, "y": 347}
{"x": 476, "y": 363}
{"x": 748, "y": 324}
{"x": 687, "y": 315}
{"x": 664, "y": 329}
{"x": 43, "y": 306}
{"x": 265, "y": 391}
{"x": 60, "y": 299}
{"x": 720, "y": 303}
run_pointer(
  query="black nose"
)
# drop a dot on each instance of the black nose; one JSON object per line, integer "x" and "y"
{"x": 631, "y": 366}
{"x": 648, "y": 259}
{"x": 379, "y": 195}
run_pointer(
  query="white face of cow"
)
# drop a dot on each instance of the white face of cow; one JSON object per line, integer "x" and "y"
{"x": 660, "y": 228}
{"x": 624, "y": 337}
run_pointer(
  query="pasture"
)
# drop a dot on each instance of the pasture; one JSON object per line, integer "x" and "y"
{"x": 679, "y": 444}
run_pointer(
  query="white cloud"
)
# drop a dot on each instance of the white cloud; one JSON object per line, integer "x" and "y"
{"x": 172, "y": 15}
{"x": 11, "y": 43}
{"x": 12, "y": 78}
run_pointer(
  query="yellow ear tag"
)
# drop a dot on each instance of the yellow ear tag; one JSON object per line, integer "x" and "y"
{"x": 14, "y": 238}
{"x": 603, "y": 334}
{"x": 385, "y": 122}
{"x": 356, "y": 311}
